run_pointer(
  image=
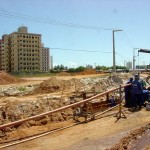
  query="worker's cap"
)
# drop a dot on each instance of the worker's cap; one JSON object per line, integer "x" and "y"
{"x": 136, "y": 76}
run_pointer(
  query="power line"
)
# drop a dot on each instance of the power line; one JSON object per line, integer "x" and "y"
{"x": 122, "y": 56}
{"x": 48, "y": 21}
{"x": 80, "y": 50}
{"x": 129, "y": 41}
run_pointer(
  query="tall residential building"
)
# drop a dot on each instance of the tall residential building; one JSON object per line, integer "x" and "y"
{"x": 44, "y": 59}
{"x": 3, "y": 56}
{"x": 129, "y": 65}
{"x": 24, "y": 52}
{"x": 51, "y": 62}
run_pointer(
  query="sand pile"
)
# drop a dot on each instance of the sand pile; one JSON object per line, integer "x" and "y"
{"x": 63, "y": 74}
{"x": 5, "y": 78}
{"x": 86, "y": 72}
{"x": 54, "y": 85}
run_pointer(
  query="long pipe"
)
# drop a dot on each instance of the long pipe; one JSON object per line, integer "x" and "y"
{"x": 58, "y": 109}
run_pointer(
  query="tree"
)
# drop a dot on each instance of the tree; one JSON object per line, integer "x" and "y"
{"x": 80, "y": 68}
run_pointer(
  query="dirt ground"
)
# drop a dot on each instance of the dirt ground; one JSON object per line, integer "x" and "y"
{"x": 100, "y": 134}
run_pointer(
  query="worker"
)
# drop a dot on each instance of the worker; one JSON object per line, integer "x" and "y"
{"x": 128, "y": 94}
{"x": 145, "y": 97}
{"x": 145, "y": 94}
{"x": 143, "y": 83}
{"x": 137, "y": 91}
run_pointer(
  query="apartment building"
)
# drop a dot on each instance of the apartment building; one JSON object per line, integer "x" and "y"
{"x": 129, "y": 65}
{"x": 51, "y": 62}
{"x": 3, "y": 56}
{"x": 23, "y": 51}
{"x": 45, "y": 59}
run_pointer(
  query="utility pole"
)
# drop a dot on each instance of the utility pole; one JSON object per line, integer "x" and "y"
{"x": 134, "y": 60}
{"x": 114, "y": 59}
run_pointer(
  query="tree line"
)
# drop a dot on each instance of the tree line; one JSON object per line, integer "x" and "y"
{"x": 61, "y": 67}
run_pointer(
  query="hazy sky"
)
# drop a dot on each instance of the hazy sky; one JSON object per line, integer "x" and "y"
{"x": 66, "y": 24}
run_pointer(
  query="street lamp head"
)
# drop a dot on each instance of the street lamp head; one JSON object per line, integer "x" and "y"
{"x": 117, "y": 30}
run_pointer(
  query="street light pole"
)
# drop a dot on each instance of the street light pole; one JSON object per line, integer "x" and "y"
{"x": 114, "y": 59}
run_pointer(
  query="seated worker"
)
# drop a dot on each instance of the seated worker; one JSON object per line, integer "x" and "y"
{"x": 128, "y": 94}
{"x": 137, "y": 91}
{"x": 148, "y": 88}
{"x": 145, "y": 96}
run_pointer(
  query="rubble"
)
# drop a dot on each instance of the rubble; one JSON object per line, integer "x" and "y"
{"x": 16, "y": 91}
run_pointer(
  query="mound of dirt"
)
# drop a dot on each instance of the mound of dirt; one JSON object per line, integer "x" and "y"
{"x": 6, "y": 78}
{"x": 54, "y": 85}
{"x": 86, "y": 72}
{"x": 63, "y": 74}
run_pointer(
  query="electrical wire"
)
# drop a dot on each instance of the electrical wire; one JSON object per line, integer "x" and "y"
{"x": 48, "y": 21}
{"x": 121, "y": 56}
{"x": 80, "y": 50}
{"x": 128, "y": 39}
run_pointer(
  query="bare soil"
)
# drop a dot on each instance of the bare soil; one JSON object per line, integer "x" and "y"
{"x": 100, "y": 134}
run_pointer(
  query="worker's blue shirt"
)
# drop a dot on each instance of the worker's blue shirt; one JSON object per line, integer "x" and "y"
{"x": 136, "y": 87}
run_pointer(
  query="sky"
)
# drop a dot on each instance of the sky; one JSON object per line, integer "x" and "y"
{"x": 79, "y": 32}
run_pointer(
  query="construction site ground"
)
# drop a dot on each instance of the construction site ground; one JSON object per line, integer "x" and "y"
{"x": 102, "y": 133}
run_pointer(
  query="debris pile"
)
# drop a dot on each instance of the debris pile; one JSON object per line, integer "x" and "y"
{"x": 16, "y": 91}
{"x": 53, "y": 84}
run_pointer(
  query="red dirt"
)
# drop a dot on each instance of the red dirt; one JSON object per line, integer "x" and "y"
{"x": 6, "y": 78}
{"x": 125, "y": 143}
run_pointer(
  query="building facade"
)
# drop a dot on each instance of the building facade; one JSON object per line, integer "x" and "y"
{"x": 51, "y": 63}
{"x": 3, "y": 56}
{"x": 23, "y": 51}
{"x": 129, "y": 65}
{"x": 45, "y": 59}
